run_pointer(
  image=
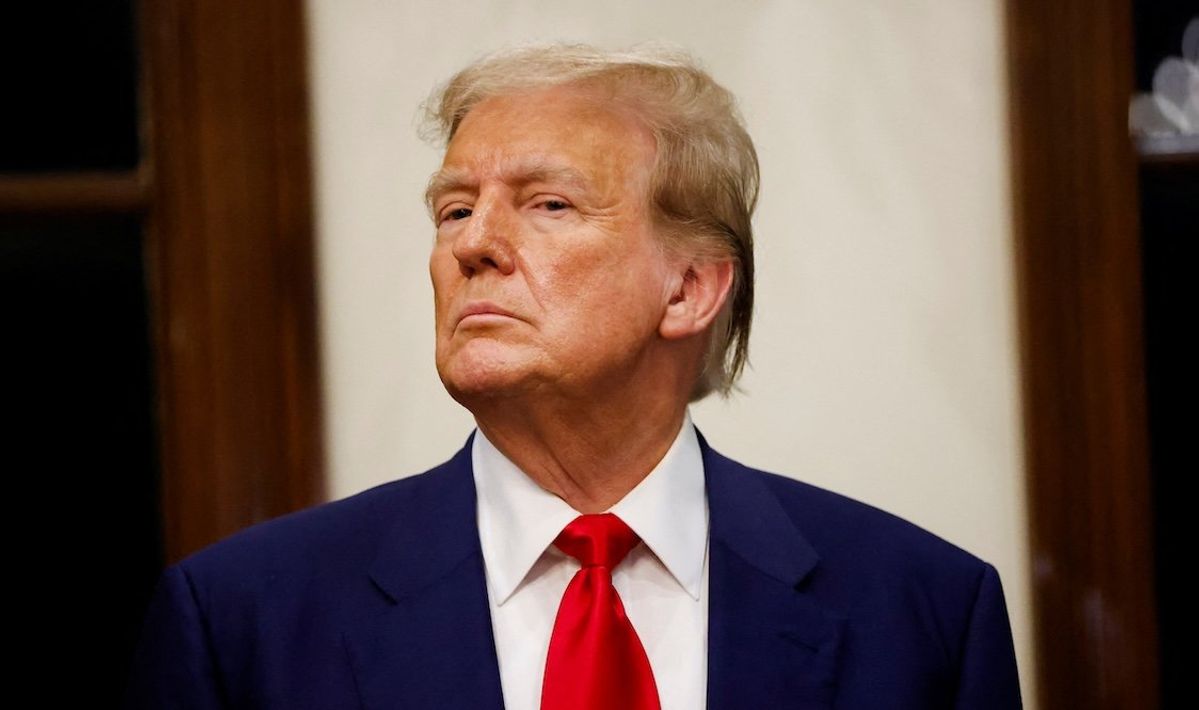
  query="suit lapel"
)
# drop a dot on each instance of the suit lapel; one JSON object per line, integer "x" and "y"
{"x": 770, "y": 644}
{"x": 430, "y": 644}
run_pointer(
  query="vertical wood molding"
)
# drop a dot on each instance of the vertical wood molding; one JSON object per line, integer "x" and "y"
{"x": 230, "y": 250}
{"x": 1079, "y": 270}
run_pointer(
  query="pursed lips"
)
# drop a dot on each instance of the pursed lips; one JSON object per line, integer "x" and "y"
{"x": 483, "y": 310}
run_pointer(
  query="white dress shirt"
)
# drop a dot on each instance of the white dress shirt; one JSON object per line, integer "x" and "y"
{"x": 663, "y": 582}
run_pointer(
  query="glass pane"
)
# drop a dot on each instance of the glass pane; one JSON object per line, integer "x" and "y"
{"x": 1169, "y": 215}
{"x": 82, "y": 465}
{"x": 69, "y": 72}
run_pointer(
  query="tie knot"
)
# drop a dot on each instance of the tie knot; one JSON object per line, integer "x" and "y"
{"x": 600, "y": 539}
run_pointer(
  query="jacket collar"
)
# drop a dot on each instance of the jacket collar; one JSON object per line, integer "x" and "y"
{"x": 770, "y": 643}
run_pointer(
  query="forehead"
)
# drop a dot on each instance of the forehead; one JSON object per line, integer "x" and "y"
{"x": 561, "y": 133}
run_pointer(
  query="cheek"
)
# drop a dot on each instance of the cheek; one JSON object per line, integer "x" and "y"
{"x": 443, "y": 272}
{"x": 601, "y": 291}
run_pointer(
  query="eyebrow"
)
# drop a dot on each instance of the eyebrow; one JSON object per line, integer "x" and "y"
{"x": 453, "y": 179}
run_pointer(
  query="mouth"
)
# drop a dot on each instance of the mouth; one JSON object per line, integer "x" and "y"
{"x": 483, "y": 312}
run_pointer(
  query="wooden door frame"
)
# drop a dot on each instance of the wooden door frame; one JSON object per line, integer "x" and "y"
{"x": 1084, "y": 388}
{"x": 230, "y": 258}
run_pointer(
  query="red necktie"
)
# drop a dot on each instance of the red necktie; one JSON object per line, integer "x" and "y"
{"x": 596, "y": 661}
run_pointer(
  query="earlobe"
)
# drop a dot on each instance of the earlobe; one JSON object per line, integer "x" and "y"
{"x": 697, "y": 299}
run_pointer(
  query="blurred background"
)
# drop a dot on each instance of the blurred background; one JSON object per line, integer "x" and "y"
{"x": 971, "y": 304}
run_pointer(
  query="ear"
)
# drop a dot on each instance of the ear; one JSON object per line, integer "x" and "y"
{"x": 701, "y": 289}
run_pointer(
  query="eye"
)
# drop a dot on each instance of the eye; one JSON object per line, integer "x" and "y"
{"x": 456, "y": 214}
{"x": 553, "y": 205}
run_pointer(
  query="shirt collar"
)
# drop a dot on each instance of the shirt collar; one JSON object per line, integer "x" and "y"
{"x": 518, "y": 520}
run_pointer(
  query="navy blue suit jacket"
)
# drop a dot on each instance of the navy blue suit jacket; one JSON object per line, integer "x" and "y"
{"x": 379, "y": 601}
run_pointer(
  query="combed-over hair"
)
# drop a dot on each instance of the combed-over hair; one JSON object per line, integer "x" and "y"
{"x": 704, "y": 185}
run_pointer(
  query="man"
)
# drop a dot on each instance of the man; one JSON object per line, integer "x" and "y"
{"x": 593, "y": 273}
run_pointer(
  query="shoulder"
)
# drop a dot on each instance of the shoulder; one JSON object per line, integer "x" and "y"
{"x": 342, "y": 534}
{"x": 900, "y": 585}
{"x": 839, "y": 524}
{"x": 926, "y": 619}
{"x": 855, "y": 538}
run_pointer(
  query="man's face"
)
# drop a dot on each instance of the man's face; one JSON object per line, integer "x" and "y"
{"x": 546, "y": 273}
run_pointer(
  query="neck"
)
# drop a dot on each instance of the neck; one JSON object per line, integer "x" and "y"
{"x": 588, "y": 454}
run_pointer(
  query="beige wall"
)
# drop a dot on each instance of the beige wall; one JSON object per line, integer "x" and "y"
{"x": 884, "y": 359}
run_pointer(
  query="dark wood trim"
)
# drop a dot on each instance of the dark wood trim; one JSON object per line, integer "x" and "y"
{"x": 117, "y": 192}
{"x": 230, "y": 243}
{"x": 1078, "y": 264}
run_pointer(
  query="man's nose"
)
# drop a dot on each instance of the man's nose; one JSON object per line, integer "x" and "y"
{"x": 485, "y": 241}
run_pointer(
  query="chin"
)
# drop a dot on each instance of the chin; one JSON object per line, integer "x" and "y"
{"x": 478, "y": 376}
